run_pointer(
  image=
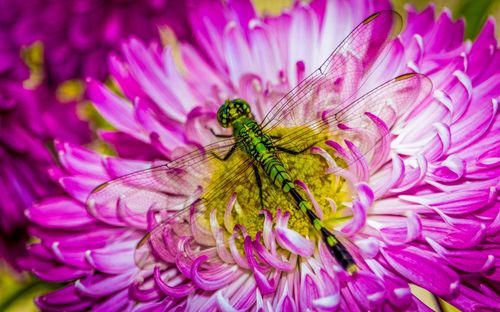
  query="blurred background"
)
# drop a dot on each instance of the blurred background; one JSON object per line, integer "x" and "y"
{"x": 17, "y": 290}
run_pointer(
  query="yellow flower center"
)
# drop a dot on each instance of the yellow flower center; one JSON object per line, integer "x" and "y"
{"x": 307, "y": 167}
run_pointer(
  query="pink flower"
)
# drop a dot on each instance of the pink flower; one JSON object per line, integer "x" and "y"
{"x": 423, "y": 208}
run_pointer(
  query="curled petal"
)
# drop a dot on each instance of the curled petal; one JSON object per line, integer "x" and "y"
{"x": 182, "y": 261}
{"x": 444, "y": 135}
{"x": 459, "y": 234}
{"x": 369, "y": 247}
{"x": 365, "y": 194}
{"x": 294, "y": 242}
{"x": 241, "y": 261}
{"x": 452, "y": 169}
{"x": 394, "y": 236}
{"x": 358, "y": 162}
{"x": 413, "y": 177}
{"x": 414, "y": 227}
{"x": 327, "y": 157}
{"x": 129, "y": 217}
{"x": 200, "y": 233}
{"x": 214, "y": 225}
{"x": 398, "y": 173}
{"x": 422, "y": 270}
{"x": 265, "y": 285}
{"x": 113, "y": 259}
{"x": 137, "y": 293}
{"x": 367, "y": 289}
{"x": 466, "y": 260}
{"x": 359, "y": 208}
{"x": 93, "y": 287}
{"x": 358, "y": 220}
{"x": 271, "y": 259}
{"x": 495, "y": 224}
{"x": 267, "y": 230}
{"x": 49, "y": 213}
{"x": 222, "y": 251}
{"x": 177, "y": 291}
{"x": 214, "y": 279}
{"x": 383, "y": 147}
{"x": 228, "y": 220}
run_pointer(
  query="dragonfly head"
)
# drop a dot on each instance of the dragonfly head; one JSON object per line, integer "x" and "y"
{"x": 233, "y": 110}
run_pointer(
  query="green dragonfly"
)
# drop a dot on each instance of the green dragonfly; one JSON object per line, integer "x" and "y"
{"x": 207, "y": 178}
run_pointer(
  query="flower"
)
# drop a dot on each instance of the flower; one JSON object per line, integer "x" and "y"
{"x": 78, "y": 35}
{"x": 29, "y": 120}
{"x": 424, "y": 209}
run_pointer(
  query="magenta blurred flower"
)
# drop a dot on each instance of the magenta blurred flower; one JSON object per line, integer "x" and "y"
{"x": 78, "y": 34}
{"x": 29, "y": 120}
{"x": 425, "y": 210}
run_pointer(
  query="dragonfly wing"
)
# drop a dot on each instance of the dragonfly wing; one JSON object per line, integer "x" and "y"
{"x": 166, "y": 188}
{"x": 191, "y": 221}
{"x": 340, "y": 76}
{"x": 390, "y": 102}
{"x": 393, "y": 99}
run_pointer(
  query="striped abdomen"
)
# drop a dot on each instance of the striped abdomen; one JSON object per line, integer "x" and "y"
{"x": 277, "y": 173}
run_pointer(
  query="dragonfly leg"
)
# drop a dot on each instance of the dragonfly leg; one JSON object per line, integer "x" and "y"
{"x": 291, "y": 151}
{"x": 259, "y": 184}
{"x": 225, "y": 136}
{"x": 231, "y": 151}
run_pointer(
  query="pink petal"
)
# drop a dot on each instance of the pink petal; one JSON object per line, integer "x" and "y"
{"x": 422, "y": 270}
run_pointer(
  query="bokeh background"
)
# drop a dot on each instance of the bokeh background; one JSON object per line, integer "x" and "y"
{"x": 17, "y": 290}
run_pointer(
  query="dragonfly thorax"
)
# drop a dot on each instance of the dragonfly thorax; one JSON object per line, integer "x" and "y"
{"x": 233, "y": 110}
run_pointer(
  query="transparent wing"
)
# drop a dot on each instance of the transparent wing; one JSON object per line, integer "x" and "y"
{"x": 390, "y": 102}
{"x": 341, "y": 75}
{"x": 167, "y": 188}
{"x": 158, "y": 246}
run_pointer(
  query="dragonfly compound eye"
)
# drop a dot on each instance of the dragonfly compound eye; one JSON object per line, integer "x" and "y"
{"x": 233, "y": 110}
{"x": 242, "y": 108}
{"x": 223, "y": 115}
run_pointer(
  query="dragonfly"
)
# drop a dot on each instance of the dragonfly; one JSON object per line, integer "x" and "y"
{"x": 252, "y": 155}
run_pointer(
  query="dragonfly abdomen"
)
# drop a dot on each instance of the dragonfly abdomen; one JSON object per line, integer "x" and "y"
{"x": 335, "y": 247}
{"x": 275, "y": 170}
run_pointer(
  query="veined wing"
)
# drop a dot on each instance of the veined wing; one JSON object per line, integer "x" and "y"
{"x": 340, "y": 76}
{"x": 236, "y": 188}
{"x": 167, "y": 188}
{"x": 391, "y": 102}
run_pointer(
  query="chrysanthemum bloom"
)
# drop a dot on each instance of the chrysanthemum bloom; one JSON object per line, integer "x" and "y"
{"x": 423, "y": 208}
{"x": 78, "y": 35}
{"x": 29, "y": 120}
